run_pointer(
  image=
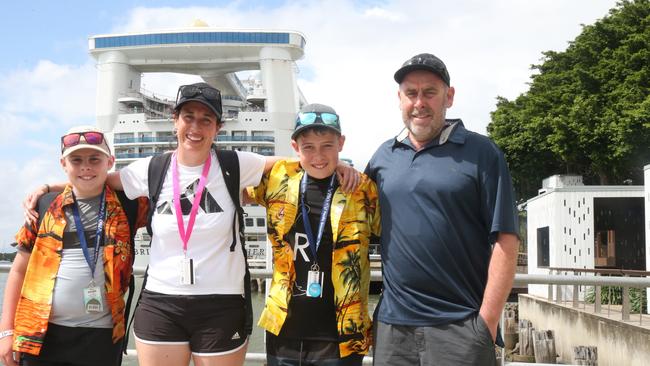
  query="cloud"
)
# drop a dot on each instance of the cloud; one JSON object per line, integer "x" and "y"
{"x": 353, "y": 48}
{"x": 37, "y": 106}
{"x": 18, "y": 180}
{"x": 383, "y": 14}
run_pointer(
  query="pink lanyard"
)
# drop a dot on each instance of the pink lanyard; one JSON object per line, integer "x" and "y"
{"x": 185, "y": 235}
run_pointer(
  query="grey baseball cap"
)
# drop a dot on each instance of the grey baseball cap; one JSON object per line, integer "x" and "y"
{"x": 313, "y": 115}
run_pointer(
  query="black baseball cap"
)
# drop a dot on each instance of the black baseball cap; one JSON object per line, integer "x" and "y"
{"x": 316, "y": 116}
{"x": 423, "y": 61}
{"x": 202, "y": 93}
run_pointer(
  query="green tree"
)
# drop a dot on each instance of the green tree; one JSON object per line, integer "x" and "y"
{"x": 588, "y": 108}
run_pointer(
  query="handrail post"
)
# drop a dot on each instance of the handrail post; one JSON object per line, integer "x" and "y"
{"x": 597, "y": 298}
{"x": 641, "y": 307}
{"x": 558, "y": 292}
{"x": 550, "y": 287}
{"x": 625, "y": 311}
{"x": 609, "y": 301}
{"x": 575, "y": 293}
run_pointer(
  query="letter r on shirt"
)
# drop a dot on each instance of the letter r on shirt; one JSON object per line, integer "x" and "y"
{"x": 301, "y": 243}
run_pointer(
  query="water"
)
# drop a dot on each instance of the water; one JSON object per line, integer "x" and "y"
{"x": 256, "y": 344}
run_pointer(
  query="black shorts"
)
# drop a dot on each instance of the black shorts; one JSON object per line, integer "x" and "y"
{"x": 288, "y": 352}
{"x": 76, "y": 346}
{"x": 212, "y": 325}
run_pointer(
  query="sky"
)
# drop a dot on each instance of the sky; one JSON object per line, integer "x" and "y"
{"x": 48, "y": 79}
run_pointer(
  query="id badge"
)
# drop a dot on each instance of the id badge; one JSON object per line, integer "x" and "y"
{"x": 93, "y": 299}
{"x": 314, "y": 287}
{"x": 187, "y": 271}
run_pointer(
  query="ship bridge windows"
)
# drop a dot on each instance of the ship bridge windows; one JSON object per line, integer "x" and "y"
{"x": 121, "y": 138}
{"x": 238, "y": 135}
{"x": 262, "y": 136}
{"x": 165, "y": 136}
{"x": 231, "y": 113}
{"x": 145, "y": 136}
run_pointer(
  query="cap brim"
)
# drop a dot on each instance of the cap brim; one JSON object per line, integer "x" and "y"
{"x": 202, "y": 101}
{"x": 78, "y": 147}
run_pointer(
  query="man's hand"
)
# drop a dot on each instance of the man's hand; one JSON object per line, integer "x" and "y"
{"x": 29, "y": 203}
{"x": 349, "y": 178}
{"x": 501, "y": 274}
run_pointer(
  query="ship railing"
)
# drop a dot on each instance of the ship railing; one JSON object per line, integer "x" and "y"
{"x": 131, "y": 140}
{"x": 557, "y": 279}
{"x": 224, "y": 138}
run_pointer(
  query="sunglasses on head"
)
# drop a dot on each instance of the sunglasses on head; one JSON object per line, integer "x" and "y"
{"x": 189, "y": 91}
{"x": 72, "y": 139}
{"x": 308, "y": 118}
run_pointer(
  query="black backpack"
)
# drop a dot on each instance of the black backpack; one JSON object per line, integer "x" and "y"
{"x": 229, "y": 164}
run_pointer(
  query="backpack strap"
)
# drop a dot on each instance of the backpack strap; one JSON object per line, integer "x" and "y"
{"x": 155, "y": 177}
{"x": 43, "y": 204}
{"x": 156, "y": 172}
{"x": 229, "y": 163}
{"x": 130, "y": 208}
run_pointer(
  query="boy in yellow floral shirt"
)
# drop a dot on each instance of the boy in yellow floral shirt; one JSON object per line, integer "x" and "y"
{"x": 63, "y": 302}
{"x": 316, "y": 312}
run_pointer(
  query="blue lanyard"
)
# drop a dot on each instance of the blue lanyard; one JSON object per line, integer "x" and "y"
{"x": 314, "y": 244}
{"x": 82, "y": 236}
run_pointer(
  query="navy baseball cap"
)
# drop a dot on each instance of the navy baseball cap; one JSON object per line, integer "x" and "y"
{"x": 423, "y": 61}
{"x": 200, "y": 92}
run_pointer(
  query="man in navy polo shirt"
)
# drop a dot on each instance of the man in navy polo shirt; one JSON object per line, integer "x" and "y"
{"x": 449, "y": 230}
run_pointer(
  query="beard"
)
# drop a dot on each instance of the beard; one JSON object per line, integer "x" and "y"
{"x": 425, "y": 132}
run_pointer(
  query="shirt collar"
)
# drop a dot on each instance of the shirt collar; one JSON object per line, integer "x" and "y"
{"x": 68, "y": 199}
{"x": 454, "y": 131}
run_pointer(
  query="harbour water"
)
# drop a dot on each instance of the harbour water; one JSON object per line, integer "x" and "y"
{"x": 256, "y": 344}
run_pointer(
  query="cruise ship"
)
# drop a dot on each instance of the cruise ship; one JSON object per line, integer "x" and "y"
{"x": 258, "y": 112}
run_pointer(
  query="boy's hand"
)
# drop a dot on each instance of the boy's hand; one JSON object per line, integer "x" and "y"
{"x": 29, "y": 204}
{"x": 349, "y": 177}
{"x": 7, "y": 353}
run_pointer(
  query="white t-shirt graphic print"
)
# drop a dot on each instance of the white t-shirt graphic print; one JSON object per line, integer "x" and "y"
{"x": 217, "y": 270}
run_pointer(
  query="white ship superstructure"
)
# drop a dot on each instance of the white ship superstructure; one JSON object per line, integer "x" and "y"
{"x": 258, "y": 114}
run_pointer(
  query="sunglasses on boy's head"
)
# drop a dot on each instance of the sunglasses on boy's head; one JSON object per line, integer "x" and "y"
{"x": 189, "y": 91}
{"x": 72, "y": 139}
{"x": 308, "y": 118}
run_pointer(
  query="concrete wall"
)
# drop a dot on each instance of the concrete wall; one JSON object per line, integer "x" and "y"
{"x": 618, "y": 343}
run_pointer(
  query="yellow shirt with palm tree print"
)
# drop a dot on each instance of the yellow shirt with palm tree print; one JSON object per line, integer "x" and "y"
{"x": 355, "y": 218}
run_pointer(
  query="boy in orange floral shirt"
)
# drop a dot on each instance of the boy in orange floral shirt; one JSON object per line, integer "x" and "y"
{"x": 63, "y": 300}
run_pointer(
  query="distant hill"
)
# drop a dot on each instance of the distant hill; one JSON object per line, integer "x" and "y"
{"x": 8, "y": 256}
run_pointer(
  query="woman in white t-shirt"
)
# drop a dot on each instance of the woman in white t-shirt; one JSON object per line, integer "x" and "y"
{"x": 193, "y": 303}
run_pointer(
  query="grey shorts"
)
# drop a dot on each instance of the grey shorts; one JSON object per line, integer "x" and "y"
{"x": 466, "y": 342}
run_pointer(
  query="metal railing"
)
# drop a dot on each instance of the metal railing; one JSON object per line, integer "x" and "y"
{"x": 616, "y": 274}
{"x": 520, "y": 279}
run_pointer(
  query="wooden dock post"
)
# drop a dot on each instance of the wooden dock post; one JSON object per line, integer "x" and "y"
{"x": 585, "y": 355}
{"x": 526, "y": 338}
{"x": 544, "y": 346}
